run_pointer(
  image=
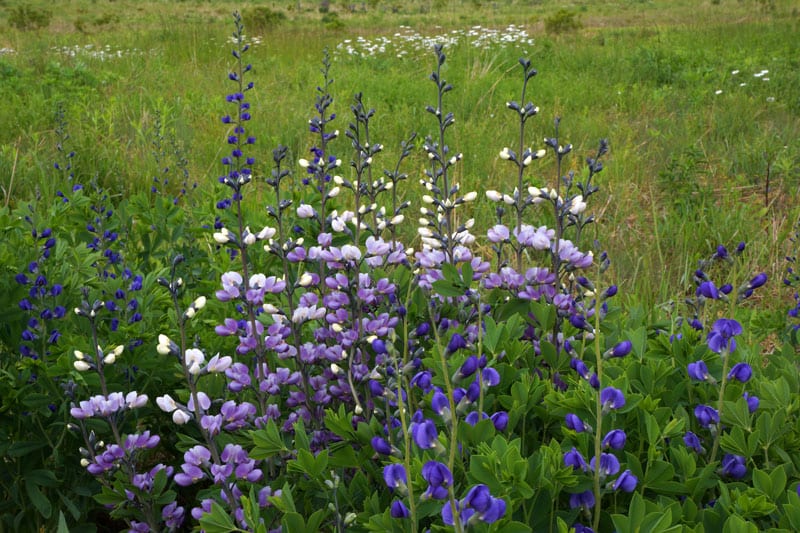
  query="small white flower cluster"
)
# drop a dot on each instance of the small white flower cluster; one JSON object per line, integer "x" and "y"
{"x": 433, "y": 218}
{"x": 104, "y": 53}
{"x": 4, "y": 51}
{"x": 224, "y": 236}
{"x": 407, "y": 41}
{"x": 84, "y": 362}
{"x": 761, "y": 74}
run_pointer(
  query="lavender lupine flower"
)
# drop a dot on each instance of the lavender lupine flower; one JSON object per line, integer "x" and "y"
{"x": 707, "y": 416}
{"x": 741, "y": 372}
{"x": 721, "y": 337}
{"x": 707, "y": 289}
{"x": 500, "y": 420}
{"x": 734, "y": 466}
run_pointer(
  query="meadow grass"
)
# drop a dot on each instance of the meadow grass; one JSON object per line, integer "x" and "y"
{"x": 691, "y": 148}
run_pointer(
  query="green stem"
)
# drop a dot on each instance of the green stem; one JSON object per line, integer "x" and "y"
{"x": 720, "y": 403}
{"x": 598, "y": 432}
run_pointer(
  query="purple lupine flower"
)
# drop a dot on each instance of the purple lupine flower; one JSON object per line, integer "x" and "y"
{"x": 574, "y": 459}
{"x": 487, "y": 508}
{"x": 721, "y": 336}
{"x": 692, "y": 442}
{"x": 438, "y": 477}
{"x": 424, "y": 434}
{"x": 399, "y": 510}
{"x": 741, "y": 372}
{"x": 612, "y": 398}
{"x": 733, "y": 466}
{"x": 394, "y": 475}
{"x": 583, "y": 500}
{"x": 381, "y": 446}
{"x": 626, "y": 482}
{"x": 698, "y": 371}
{"x": 707, "y": 289}
{"x": 620, "y": 350}
{"x": 173, "y": 515}
{"x": 573, "y": 422}
{"x": 440, "y": 403}
{"x": 706, "y": 415}
{"x": 609, "y": 464}
{"x": 757, "y": 281}
{"x": 752, "y": 402}
{"x": 614, "y": 439}
{"x": 500, "y": 420}
{"x": 456, "y": 343}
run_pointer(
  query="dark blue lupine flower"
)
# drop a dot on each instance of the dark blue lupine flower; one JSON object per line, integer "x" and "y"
{"x": 692, "y": 442}
{"x": 741, "y": 372}
{"x": 626, "y": 482}
{"x": 706, "y": 415}
{"x": 456, "y": 343}
{"x": 500, "y": 420}
{"x": 757, "y": 281}
{"x": 615, "y": 439}
{"x": 380, "y": 445}
{"x": 733, "y": 466}
{"x": 721, "y": 336}
{"x": 707, "y": 289}
{"x": 487, "y": 508}
{"x": 609, "y": 464}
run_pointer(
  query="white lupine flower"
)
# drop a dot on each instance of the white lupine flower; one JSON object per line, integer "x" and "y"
{"x": 397, "y": 219}
{"x": 164, "y": 344}
{"x": 337, "y": 224}
{"x": 79, "y": 355}
{"x": 166, "y": 403}
{"x": 504, "y": 154}
{"x": 427, "y": 199}
{"x": 119, "y": 349}
{"x": 469, "y": 223}
{"x": 368, "y": 161}
{"x": 135, "y": 400}
{"x": 199, "y": 303}
{"x": 270, "y": 309}
{"x": 222, "y": 236}
{"x": 494, "y": 196}
{"x": 336, "y": 327}
{"x": 553, "y": 194}
{"x": 338, "y": 161}
{"x": 425, "y": 232}
{"x": 577, "y": 205}
{"x": 266, "y": 233}
{"x": 180, "y": 417}
{"x": 249, "y": 238}
{"x": 508, "y": 199}
{"x": 194, "y": 358}
{"x": 190, "y": 312}
{"x": 453, "y": 160}
{"x": 527, "y": 161}
{"x": 338, "y": 180}
{"x": 534, "y": 191}
{"x": 389, "y": 185}
{"x": 303, "y": 163}
{"x": 351, "y": 253}
{"x": 109, "y": 359}
{"x": 470, "y": 196}
{"x": 305, "y": 211}
{"x": 334, "y": 192}
{"x": 219, "y": 364}
{"x": 336, "y": 369}
{"x": 423, "y": 222}
{"x": 305, "y": 280}
{"x": 81, "y": 366}
{"x": 540, "y": 153}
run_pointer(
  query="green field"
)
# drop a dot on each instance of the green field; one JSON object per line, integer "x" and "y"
{"x": 688, "y": 168}
{"x": 700, "y": 104}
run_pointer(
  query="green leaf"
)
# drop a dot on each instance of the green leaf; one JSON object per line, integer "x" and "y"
{"x": 20, "y": 448}
{"x": 43, "y": 478}
{"x": 514, "y": 527}
{"x": 294, "y": 523}
{"x": 735, "y": 524}
{"x": 217, "y": 521}
{"x": 62, "y": 523}
{"x": 447, "y": 289}
{"x": 38, "y": 499}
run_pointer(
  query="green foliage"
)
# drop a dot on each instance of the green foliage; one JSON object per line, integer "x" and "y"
{"x": 29, "y": 18}
{"x": 562, "y": 21}
{"x": 262, "y": 18}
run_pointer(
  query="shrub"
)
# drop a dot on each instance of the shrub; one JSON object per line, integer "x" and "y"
{"x": 262, "y": 18}
{"x": 562, "y": 21}
{"x": 27, "y": 18}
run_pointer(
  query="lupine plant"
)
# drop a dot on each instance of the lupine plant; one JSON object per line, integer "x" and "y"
{"x": 292, "y": 357}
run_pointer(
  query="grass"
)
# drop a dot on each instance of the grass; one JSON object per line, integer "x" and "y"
{"x": 687, "y": 169}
